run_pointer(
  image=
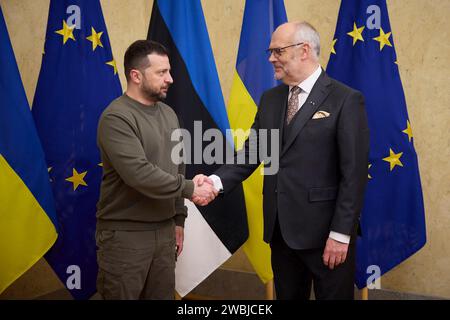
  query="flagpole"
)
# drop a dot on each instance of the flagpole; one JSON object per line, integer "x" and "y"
{"x": 269, "y": 290}
{"x": 364, "y": 293}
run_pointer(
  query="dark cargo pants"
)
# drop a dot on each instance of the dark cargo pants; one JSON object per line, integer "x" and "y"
{"x": 136, "y": 264}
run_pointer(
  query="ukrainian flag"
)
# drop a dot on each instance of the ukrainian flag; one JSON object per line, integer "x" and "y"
{"x": 27, "y": 211}
{"x": 253, "y": 76}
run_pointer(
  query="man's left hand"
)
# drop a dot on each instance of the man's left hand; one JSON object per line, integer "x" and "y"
{"x": 335, "y": 253}
{"x": 179, "y": 238}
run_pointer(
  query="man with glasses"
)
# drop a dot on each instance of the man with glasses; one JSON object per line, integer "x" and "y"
{"x": 312, "y": 204}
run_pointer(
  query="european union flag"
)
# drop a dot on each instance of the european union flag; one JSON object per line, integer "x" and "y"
{"x": 363, "y": 57}
{"x": 78, "y": 79}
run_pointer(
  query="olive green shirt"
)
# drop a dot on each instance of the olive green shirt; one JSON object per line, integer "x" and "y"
{"x": 142, "y": 188}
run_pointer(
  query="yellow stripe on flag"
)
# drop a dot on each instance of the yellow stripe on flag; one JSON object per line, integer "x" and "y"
{"x": 241, "y": 113}
{"x": 26, "y": 232}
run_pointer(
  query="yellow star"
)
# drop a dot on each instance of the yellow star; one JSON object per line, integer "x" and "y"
{"x": 356, "y": 33}
{"x": 100, "y": 164}
{"x": 332, "y": 46}
{"x": 112, "y": 63}
{"x": 369, "y": 174}
{"x": 383, "y": 39}
{"x": 66, "y": 32}
{"x": 95, "y": 39}
{"x": 394, "y": 159}
{"x": 77, "y": 179}
{"x": 408, "y": 130}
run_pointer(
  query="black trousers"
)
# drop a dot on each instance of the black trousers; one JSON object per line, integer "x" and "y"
{"x": 296, "y": 270}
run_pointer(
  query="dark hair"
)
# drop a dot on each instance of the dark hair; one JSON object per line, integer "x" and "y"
{"x": 136, "y": 55}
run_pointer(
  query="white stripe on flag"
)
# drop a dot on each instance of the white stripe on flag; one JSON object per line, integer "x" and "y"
{"x": 203, "y": 252}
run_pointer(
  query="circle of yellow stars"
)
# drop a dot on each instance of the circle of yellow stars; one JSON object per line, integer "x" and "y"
{"x": 357, "y": 35}
{"x": 67, "y": 33}
{"x": 78, "y": 178}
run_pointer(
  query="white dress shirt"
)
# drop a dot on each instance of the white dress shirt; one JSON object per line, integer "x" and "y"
{"x": 306, "y": 87}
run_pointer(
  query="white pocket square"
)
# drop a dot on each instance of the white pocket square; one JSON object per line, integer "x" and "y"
{"x": 320, "y": 115}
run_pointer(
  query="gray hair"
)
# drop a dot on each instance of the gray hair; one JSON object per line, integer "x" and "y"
{"x": 305, "y": 32}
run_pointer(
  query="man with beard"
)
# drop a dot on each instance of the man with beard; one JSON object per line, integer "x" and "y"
{"x": 141, "y": 212}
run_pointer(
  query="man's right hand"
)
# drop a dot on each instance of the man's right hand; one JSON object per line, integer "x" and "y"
{"x": 200, "y": 179}
{"x": 204, "y": 191}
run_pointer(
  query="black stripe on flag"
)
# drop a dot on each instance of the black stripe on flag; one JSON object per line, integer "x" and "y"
{"x": 225, "y": 215}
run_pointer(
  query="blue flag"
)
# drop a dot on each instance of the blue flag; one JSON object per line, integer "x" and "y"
{"x": 78, "y": 79}
{"x": 253, "y": 76}
{"x": 363, "y": 57}
{"x": 27, "y": 211}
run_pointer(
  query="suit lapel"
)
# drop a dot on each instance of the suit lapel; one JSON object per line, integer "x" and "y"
{"x": 318, "y": 94}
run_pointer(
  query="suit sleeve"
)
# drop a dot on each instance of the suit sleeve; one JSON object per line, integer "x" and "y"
{"x": 232, "y": 175}
{"x": 353, "y": 149}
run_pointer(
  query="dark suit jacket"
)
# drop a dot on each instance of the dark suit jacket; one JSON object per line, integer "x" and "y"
{"x": 323, "y": 164}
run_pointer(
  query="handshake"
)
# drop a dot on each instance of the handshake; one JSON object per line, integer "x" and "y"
{"x": 204, "y": 191}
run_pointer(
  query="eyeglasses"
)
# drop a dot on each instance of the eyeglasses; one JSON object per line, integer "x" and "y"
{"x": 277, "y": 52}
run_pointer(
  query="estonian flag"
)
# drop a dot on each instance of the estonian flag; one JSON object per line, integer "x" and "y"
{"x": 212, "y": 233}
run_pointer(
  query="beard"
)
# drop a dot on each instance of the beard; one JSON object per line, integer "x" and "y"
{"x": 281, "y": 74}
{"x": 154, "y": 94}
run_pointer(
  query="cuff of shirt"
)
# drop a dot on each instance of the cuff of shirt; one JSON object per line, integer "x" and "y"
{"x": 217, "y": 182}
{"x": 339, "y": 237}
{"x": 179, "y": 220}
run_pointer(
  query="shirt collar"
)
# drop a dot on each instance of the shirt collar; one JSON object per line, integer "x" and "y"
{"x": 307, "y": 84}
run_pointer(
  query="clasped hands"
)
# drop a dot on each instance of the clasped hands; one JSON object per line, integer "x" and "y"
{"x": 204, "y": 191}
